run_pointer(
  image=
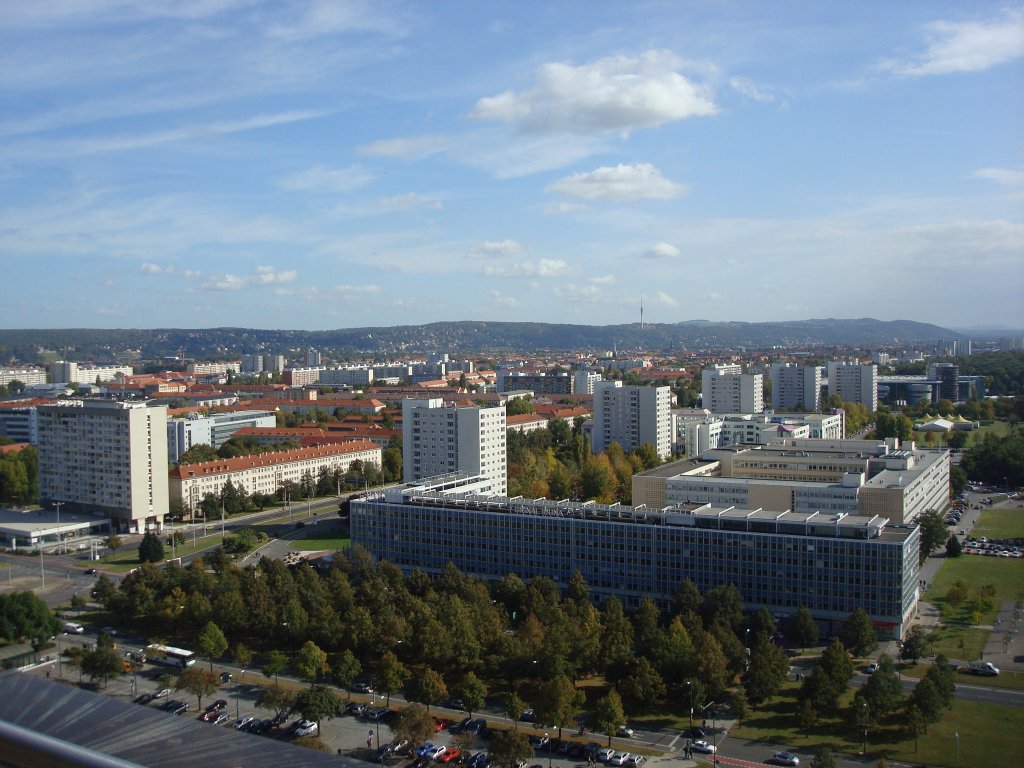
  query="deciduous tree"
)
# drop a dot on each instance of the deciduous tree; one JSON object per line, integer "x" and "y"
{"x": 198, "y": 682}
{"x": 211, "y": 642}
{"x": 609, "y": 715}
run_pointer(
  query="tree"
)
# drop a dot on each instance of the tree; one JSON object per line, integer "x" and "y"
{"x": 279, "y": 699}
{"x": 738, "y": 703}
{"x": 957, "y": 593}
{"x": 103, "y": 664}
{"x": 198, "y": 682}
{"x": 510, "y": 748}
{"x": 767, "y": 671}
{"x": 858, "y": 633}
{"x": 241, "y": 654}
{"x": 414, "y": 723}
{"x": 211, "y": 642}
{"x": 807, "y": 717}
{"x": 345, "y": 670}
{"x": 23, "y": 616}
{"x": 472, "y": 691}
{"x": 275, "y": 665}
{"x": 609, "y": 715}
{"x": 557, "y": 702}
{"x": 915, "y": 645}
{"x": 916, "y": 723}
{"x": 391, "y": 674}
{"x": 823, "y": 758}
{"x": 318, "y": 703}
{"x": 113, "y": 543}
{"x": 426, "y": 687}
{"x": 944, "y": 680}
{"x": 311, "y": 661}
{"x": 803, "y": 629}
{"x": 643, "y": 687}
{"x": 933, "y": 532}
{"x": 927, "y": 700}
{"x": 198, "y": 454}
{"x": 151, "y": 549}
{"x": 953, "y": 547}
{"x": 514, "y": 708}
{"x": 882, "y": 691}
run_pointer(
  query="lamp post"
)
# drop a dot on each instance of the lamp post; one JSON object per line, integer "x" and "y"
{"x": 60, "y": 661}
{"x": 864, "y": 710}
{"x": 548, "y": 745}
{"x": 714, "y": 736}
{"x": 689, "y": 684}
{"x": 58, "y": 504}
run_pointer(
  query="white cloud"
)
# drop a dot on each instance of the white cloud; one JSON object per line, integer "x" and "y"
{"x": 497, "y": 248}
{"x": 622, "y": 183}
{"x": 545, "y": 268}
{"x": 667, "y": 300}
{"x": 661, "y": 251}
{"x": 743, "y": 86}
{"x": 264, "y": 275}
{"x": 558, "y": 209}
{"x": 411, "y": 148}
{"x": 573, "y": 292}
{"x": 500, "y": 300}
{"x": 191, "y": 273}
{"x": 506, "y": 157}
{"x": 322, "y": 179}
{"x": 1007, "y": 177}
{"x": 602, "y": 280}
{"x": 148, "y": 268}
{"x": 966, "y": 46}
{"x": 352, "y": 291}
{"x": 405, "y": 202}
{"x": 617, "y": 94}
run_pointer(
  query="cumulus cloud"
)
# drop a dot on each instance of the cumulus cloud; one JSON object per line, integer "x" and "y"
{"x": 621, "y": 183}
{"x": 618, "y": 93}
{"x": 322, "y": 179}
{"x": 496, "y": 248}
{"x": 148, "y": 268}
{"x": 602, "y": 280}
{"x": 966, "y": 46}
{"x": 667, "y": 300}
{"x": 500, "y": 300}
{"x": 1007, "y": 177}
{"x": 410, "y": 148}
{"x": 264, "y": 275}
{"x": 545, "y": 268}
{"x": 661, "y": 251}
{"x": 574, "y": 292}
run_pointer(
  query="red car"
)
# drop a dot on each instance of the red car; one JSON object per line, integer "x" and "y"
{"x": 440, "y": 724}
{"x": 449, "y": 754}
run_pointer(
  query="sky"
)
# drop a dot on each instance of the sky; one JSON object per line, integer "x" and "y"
{"x": 320, "y": 164}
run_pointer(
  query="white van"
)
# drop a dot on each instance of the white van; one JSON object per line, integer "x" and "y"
{"x": 74, "y": 629}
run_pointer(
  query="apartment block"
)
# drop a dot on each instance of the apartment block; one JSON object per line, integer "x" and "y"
{"x": 854, "y": 383}
{"x": 726, "y": 389}
{"x": 266, "y": 473}
{"x": 214, "y": 430}
{"x": 439, "y": 439}
{"x": 105, "y": 457}
{"x": 795, "y": 387}
{"x": 632, "y": 416}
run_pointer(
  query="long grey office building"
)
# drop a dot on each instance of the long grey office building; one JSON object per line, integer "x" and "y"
{"x": 778, "y": 560}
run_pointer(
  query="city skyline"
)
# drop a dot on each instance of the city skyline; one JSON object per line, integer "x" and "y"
{"x": 343, "y": 164}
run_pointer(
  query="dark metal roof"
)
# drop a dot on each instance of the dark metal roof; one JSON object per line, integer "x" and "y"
{"x": 141, "y": 734}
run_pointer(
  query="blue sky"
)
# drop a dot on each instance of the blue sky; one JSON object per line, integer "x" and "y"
{"x": 192, "y": 163}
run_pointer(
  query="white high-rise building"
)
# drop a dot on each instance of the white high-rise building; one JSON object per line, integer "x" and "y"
{"x": 439, "y": 440}
{"x": 796, "y": 387}
{"x": 854, "y": 383}
{"x": 105, "y": 457}
{"x": 632, "y": 416}
{"x": 726, "y": 389}
{"x": 583, "y": 381}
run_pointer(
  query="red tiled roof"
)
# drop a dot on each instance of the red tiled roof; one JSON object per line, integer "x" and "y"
{"x": 225, "y": 466}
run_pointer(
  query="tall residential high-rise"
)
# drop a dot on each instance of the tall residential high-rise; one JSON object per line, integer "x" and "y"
{"x": 439, "y": 440}
{"x": 854, "y": 383}
{"x": 105, "y": 457}
{"x": 726, "y": 389}
{"x": 312, "y": 358}
{"x": 796, "y": 387}
{"x": 632, "y": 416}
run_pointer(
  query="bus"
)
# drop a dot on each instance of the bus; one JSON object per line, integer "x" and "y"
{"x": 172, "y": 657}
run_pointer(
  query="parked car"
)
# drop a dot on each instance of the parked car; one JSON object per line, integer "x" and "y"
{"x": 479, "y": 760}
{"x": 783, "y": 758}
{"x": 162, "y": 693}
{"x": 605, "y": 755}
{"x": 423, "y": 749}
{"x": 624, "y": 731}
{"x": 144, "y": 698}
{"x": 91, "y": 571}
{"x": 306, "y": 728}
{"x": 181, "y": 709}
{"x": 382, "y": 754}
{"x": 695, "y": 733}
{"x": 356, "y": 709}
{"x": 871, "y": 668}
{"x": 636, "y": 760}
{"x": 225, "y": 677}
{"x": 703, "y": 747}
{"x": 362, "y": 686}
{"x": 217, "y": 706}
{"x": 243, "y": 722}
{"x": 620, "y": 758}
{"x": 449, "y": 754}
{"x": 222, "y": 717}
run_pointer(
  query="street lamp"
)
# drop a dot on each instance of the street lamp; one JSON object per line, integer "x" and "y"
{"x": 689, "y": 684}
{"x": 548, "y": 744}
{"x": 58, "y": 504}
{"x": 864, "y": 709}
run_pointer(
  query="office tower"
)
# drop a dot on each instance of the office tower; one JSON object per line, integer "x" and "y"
{"x": 632, "y": 416}
{"x": 726, "y": 389}
{"x": 854, "y": 383}
{"x": 796, "y": 387}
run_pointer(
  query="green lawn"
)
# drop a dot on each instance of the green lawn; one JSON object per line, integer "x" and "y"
{"x": 946, "y": 640}
{"x": 1000, "y": 524}
{"x": 1005, "y": 574}
{"x": 988, "y": 733}
{"x": 316, "y": 542}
